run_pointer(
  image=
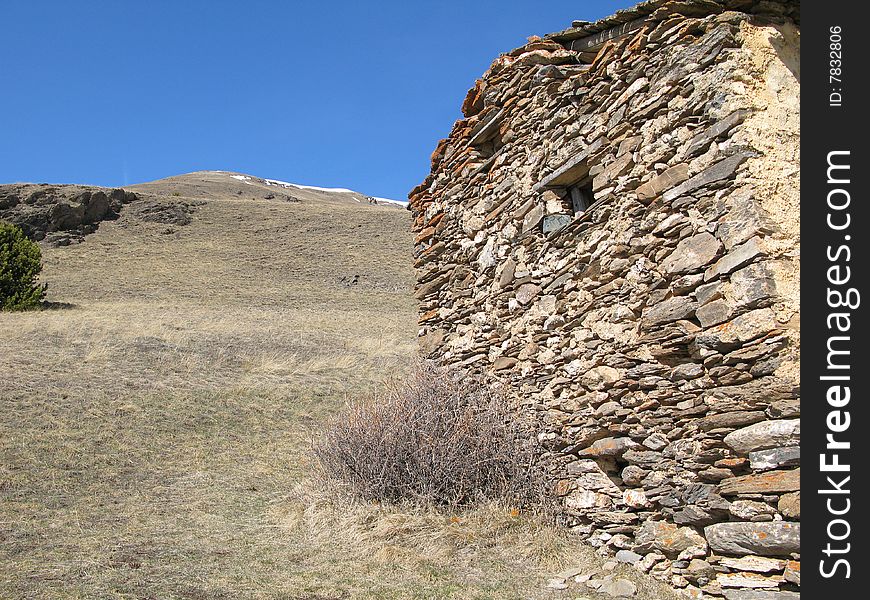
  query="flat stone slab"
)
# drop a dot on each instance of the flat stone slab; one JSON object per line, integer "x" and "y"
{"x": 717, "y": 172}
{"x": 618, "y": 588}
{"x": 692, "y": 253}
{"x": 739, "y": 256}
{"x": 744, "y": 328}
{"x": 713, "y": 313}
{"x": 762, "y": 483}
{"x": 748, "y": 580}
{"x": 608, "y": 447}
{"x": 527, "y": 292}
{"x": 777, "y": 538}
{"x": 790, "y": 505}
{"x": 668, "y": 538}
{"x": 571, "y": 171}
{"x": 671, "y": 177}
{"x": 629, "y": 557}
{"x": 760, "y": 595}
{"x": 739, "y": 418}
{"x": 667, "y": 311}
{"x": 764, "y": 435}
{"x": 773, "y": 458}
{"x": 701, "y": 141}
{"x": 756, "y": 564}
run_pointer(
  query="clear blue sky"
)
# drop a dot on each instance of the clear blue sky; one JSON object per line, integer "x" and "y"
{"x": 322, "y": 93}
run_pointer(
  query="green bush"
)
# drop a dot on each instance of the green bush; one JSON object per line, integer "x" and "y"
{"x": 20, "y": 264}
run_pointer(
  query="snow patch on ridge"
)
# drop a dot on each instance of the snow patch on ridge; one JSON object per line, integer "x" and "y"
{"x": 242, "y": 178}
{"x": 286, "y": 185}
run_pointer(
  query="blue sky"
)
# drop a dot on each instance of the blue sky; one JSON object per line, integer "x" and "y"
{"x": 339, "y": 94}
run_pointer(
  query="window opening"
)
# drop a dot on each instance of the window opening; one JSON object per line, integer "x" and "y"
{"x": 580, "y": 197}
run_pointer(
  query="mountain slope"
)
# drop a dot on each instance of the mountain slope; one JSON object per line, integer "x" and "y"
{"x": 156, "y": 422}
{"x": 222, "y": 184}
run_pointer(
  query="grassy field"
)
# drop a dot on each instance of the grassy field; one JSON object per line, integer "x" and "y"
{"x": 155, "y": 424}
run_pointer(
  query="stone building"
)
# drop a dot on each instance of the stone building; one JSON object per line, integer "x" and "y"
{"x": 611, "y": 231}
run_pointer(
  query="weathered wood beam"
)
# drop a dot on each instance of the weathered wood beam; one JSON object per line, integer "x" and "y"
{"x": 571, "y": 171}
{"x": 488, "y": 129}
{"x": 597, "y": 40}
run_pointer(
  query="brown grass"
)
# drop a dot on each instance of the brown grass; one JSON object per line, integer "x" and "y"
{"x": 153, "y": 437}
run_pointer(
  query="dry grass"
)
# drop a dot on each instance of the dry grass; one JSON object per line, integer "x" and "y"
{"x": 154, "y": 436}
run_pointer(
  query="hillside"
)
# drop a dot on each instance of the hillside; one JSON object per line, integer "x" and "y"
{"x": 156, "y": 420}
{"x": 229, "y": 184}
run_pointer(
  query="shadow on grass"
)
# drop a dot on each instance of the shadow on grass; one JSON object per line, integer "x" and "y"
{"x": 48, "y": 305}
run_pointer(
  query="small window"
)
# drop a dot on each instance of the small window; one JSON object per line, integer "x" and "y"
{"x": 489, "y": 148}
{"x": 580, "y": 197}
{"x": 571, "y": 183}
{"x": 576, "y": 198}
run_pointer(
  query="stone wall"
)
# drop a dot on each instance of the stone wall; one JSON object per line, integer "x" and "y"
{"x": 612, "y": 231}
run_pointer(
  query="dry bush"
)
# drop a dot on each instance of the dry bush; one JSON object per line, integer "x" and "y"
{"x": 433, "y": 438}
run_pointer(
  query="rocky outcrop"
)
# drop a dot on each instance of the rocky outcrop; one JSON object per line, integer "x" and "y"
{"x": 168, "y": 212}
{"x": 611, "y": 231}
{"x": 60, "y": 214}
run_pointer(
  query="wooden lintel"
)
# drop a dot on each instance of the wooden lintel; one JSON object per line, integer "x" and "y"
{"x": 571, "y": 171}
{"x": 597, "y": 40}
{"x": 488, "y": 129}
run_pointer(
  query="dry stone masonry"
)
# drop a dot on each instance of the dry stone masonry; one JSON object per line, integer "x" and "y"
{"x": 612, "y": 231}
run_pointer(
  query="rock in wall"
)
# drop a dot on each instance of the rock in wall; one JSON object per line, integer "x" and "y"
{"x": 612, "y": 231}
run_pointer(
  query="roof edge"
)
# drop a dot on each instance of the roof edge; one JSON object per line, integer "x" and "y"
{"x": 661, "y": 9}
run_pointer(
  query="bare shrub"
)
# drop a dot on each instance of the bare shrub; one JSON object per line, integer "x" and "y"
{"x": 432, "y": 438}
